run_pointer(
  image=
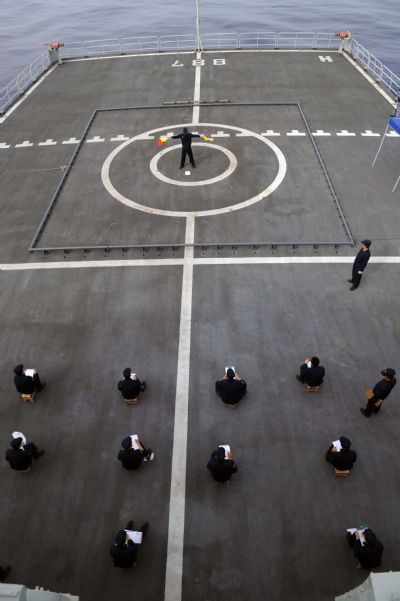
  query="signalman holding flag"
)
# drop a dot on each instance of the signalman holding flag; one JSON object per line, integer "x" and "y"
{"x": 186, "y": 139}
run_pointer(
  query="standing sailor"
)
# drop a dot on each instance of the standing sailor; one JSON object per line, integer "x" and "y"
{"x": 186, "y": 139}
{"x": 360, "y": 263}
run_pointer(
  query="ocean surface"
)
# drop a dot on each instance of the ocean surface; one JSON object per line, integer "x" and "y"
{"x": 26, "y": 25}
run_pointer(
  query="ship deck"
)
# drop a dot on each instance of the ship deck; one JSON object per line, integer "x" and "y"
{"x": 242, "y": 262}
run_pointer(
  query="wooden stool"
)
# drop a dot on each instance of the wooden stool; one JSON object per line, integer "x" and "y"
{"x": 28, "y": 471}
{"x": 132, "y": 401}
{"x": 308, "y": 388}
{"x": 29, "y": 398}
{"x": 233, "y": 406}
{"x": 342, "y": 473}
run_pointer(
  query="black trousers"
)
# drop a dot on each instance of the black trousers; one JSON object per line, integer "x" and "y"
{"x": 371, "y": 408}
{"x": 355, "y": 277}
{"x": 189, "y": 153}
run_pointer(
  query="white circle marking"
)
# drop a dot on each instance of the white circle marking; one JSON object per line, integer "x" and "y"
{"x": 212, "y": 180}
{"x": 105, "y": 174}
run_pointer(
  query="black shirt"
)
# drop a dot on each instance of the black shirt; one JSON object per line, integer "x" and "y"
{"x": 18, "y": 459}
{"x": 343, "y": 460}
{"x": 369, "y": 555}
{"x": 186, "y": 139}
{"x": 124, "y": 557}
{"x": 221, "y": 469}
{"x": 313, "y": 376}
{"x": 129, "y": 388}
{"x": 131, "y": 459}
{"x": 382, "y": 389}
{"x": 361, "y": 260}
{"x": 24, "y": 384}
{"x": 231, "y": 391}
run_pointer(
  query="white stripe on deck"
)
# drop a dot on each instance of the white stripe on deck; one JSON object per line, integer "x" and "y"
{"x": 107, "y": 263}
{"x": 176, "y": 521}
{"x": 196, "y": 95}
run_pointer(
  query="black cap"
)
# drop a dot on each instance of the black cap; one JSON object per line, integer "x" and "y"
{"x": 127, "y": 372}
{"x": 18, "y": 369}
{"x": 230, "y": 373}
{"x": 221, "y": 453}
{"x": 388, "y": 372}
{"x": 366, "y": 242}
{"x": 345, "y": 442}
{"x": 16, "y": 442}
{"x": 126, "y": 443}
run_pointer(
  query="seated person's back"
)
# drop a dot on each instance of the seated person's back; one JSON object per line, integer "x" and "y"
{"x": 231, "y": 389}
{"x": 345, "y": 458}
{"x": 370, "y": 554}
{"x": 24, "y": 384}
{"x": 129, "y": 387}
{"x": 221, "y": 468}
{"x": 312, "y": 373}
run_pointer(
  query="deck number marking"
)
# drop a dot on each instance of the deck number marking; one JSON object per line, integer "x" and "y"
{"x": 325, "y": 59}
{"x": 200, "y": 62}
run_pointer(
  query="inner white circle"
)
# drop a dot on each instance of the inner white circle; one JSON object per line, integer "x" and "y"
{"x": 231, "y": 167}
{"x": 105, "y": 173}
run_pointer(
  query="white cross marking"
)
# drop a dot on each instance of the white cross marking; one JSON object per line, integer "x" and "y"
{"x": 95, "y": 139}
{"x": 119, "y": 138}
{"x": 320, "y": 132}
{"x": 220, "y": 134}
{"x": 24, "y": 144}
{"x": 392, "y": 134}
{"x": 4, "y": 145}
{"x": 345, "y": 132}
{"x": 369, "y": 133}
{"x": 48, "y": 142}
{"x": 325, "y": 59}
{"x": 270, "y": 132}
{"x": 295, "y": 132}
{"x": 71, "y": 141}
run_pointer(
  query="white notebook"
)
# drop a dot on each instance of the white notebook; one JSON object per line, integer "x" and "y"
{"x": 135, "y": 535}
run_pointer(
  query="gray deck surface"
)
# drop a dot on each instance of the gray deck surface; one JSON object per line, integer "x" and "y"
{"x": 276, "y": 531}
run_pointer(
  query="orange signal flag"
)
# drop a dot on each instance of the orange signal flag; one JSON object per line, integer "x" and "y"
{"x": 207, "y": 138}
{"x": 161, "y": 140}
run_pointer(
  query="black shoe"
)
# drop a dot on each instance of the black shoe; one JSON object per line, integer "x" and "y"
{"x": 143, "y": 386}
{"x": 144, "y": 528}
{"x": 39, "y": 454}
{"x": 299, "y": 379}
{"x": 350, "y": 281}
{"x": 362, "y": 410}
{"x": 181, "y": 166}
{"x": 129, "y": 525}
{"x": 148, "y": 454}
{"x": 4, "y": 572}
{"x": 43, "y": 385}
{"x": 194, "y": 166}
{"x": 353, "y": 288}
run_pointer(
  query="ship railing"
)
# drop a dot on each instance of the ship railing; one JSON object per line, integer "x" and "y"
{"x": 23, "y": 80}
{"x": 187, "y": 42}
{"x": 376, "y": 68}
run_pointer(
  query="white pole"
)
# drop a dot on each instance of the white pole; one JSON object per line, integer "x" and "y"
{"x": 380, "y": 145}
{"x": 395, "y": 186}
{"x": 199, "y": 46}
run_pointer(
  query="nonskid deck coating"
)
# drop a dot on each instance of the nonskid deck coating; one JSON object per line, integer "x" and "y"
{"x": 275, "y": 531}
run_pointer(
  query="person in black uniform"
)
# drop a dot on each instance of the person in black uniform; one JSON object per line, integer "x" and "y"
{"x": 368, "y": 554}
{"x": 130, "y": 386}
{"x": 4, "y": 572}
{"x": 221, "y": 466}
{"x": 124, "y": 550}
{"x": 186, "y": 139}
{"x": 132, "y": 458}
{"x": 26, "y": 384}
{"x": 360, "y": 263}
{"x": 379, "y": 393}
{"x": 232, "y": 388}
{"x": 343, "y": 459}
{"x": 20, "y": 455}
{"x": 311, "y": 372}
